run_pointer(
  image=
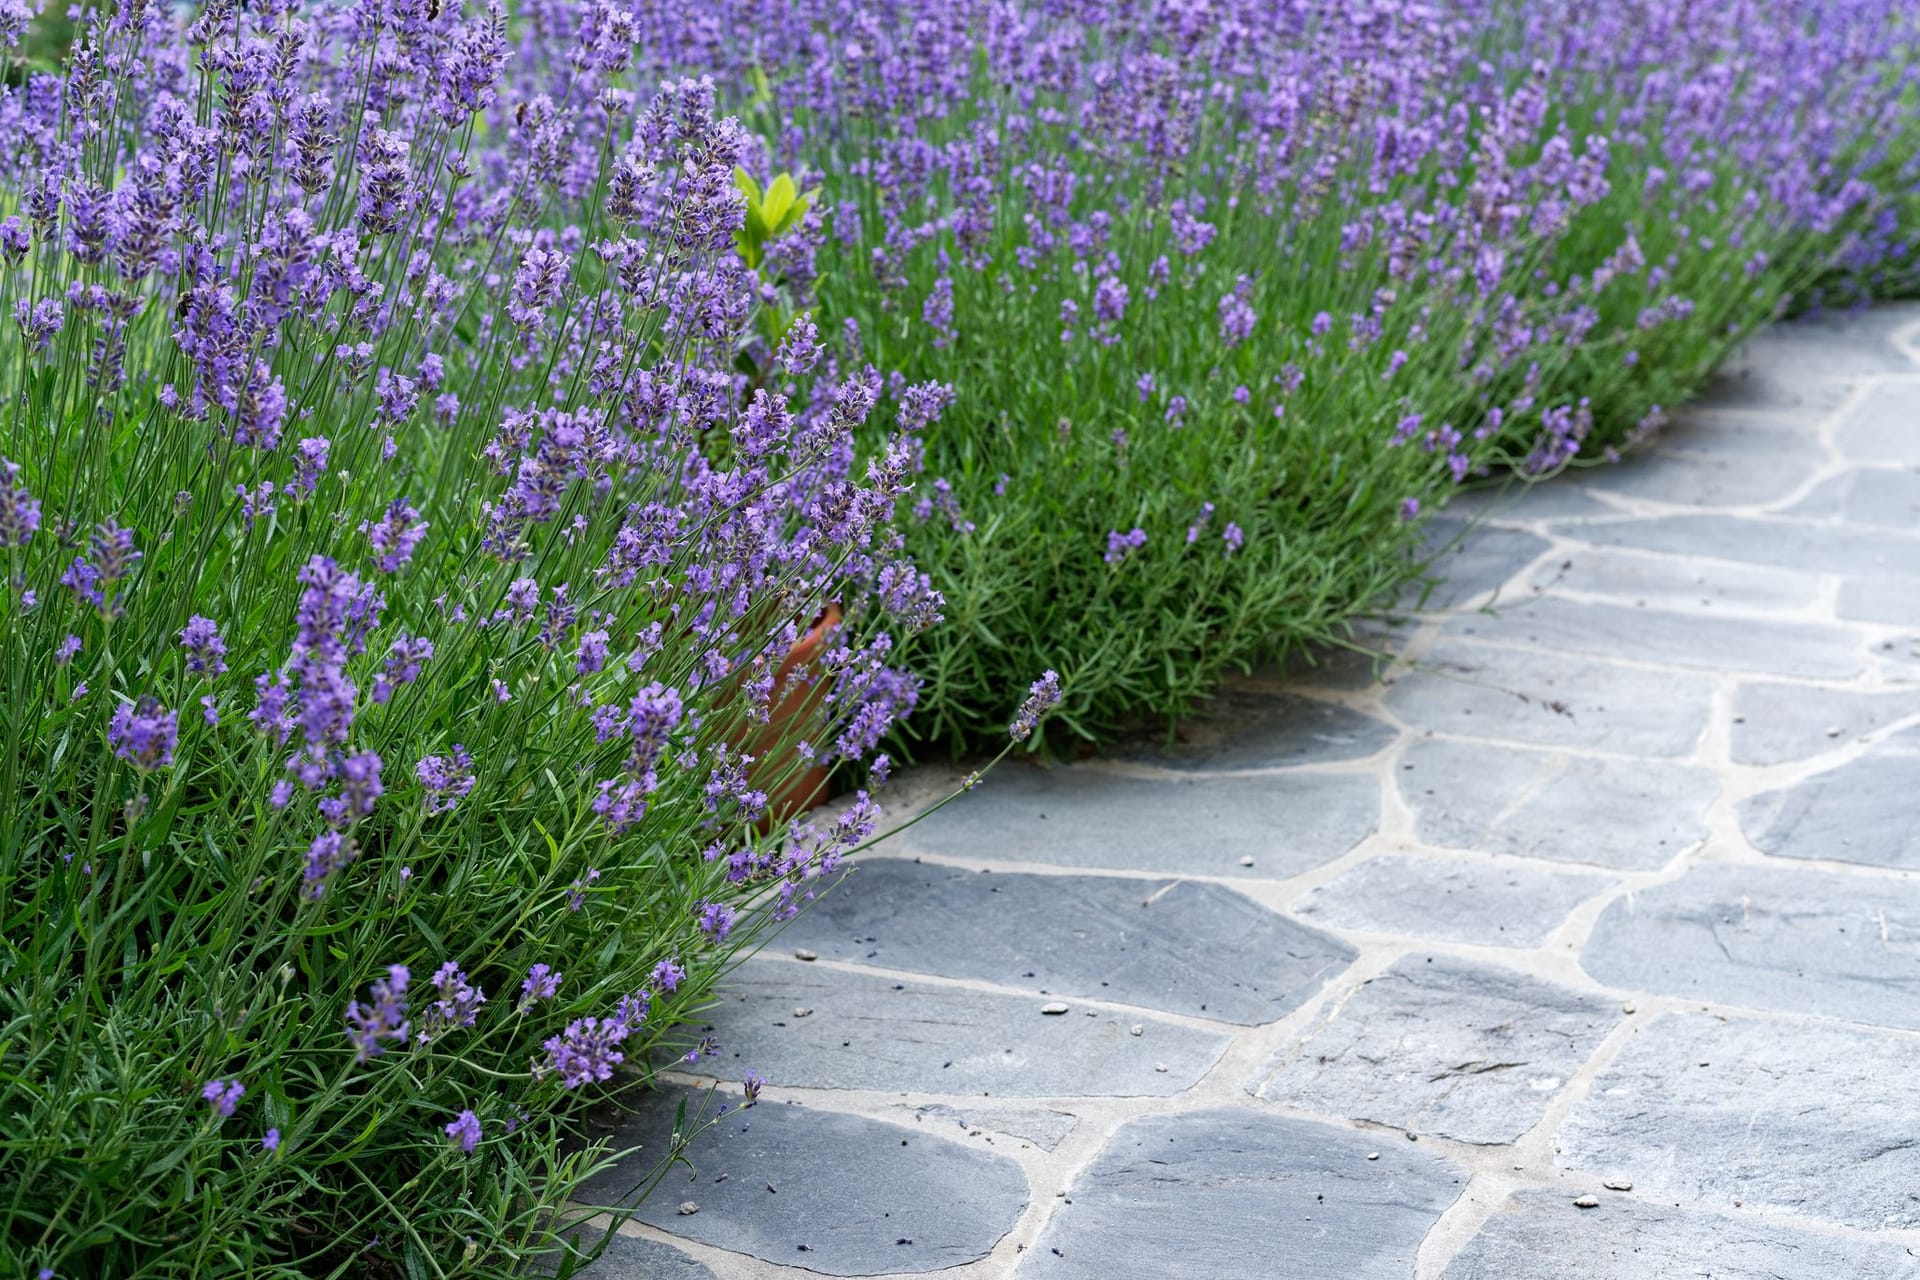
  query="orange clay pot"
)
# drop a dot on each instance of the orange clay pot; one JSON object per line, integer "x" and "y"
{"x": 794, "y": 699}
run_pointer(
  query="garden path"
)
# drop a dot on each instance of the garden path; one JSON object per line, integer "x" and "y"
{"x": 1584, "y": 945}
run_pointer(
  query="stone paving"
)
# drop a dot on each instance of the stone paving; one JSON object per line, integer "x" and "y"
{"x": 1582, "y": 944}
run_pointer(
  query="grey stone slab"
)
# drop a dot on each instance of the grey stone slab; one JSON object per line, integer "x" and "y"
{"x": 1677, "y": 639}
{"x": 1481, "y": 690}
{"x": 772, "y": 1178}
{"x": 638, "y": 1258}
{"x": 866, "y": 1031}
{"x": 1744, "y": 385}
{"x": 1539, "y": 1235}
{"x": 1444, "y": 1047}
{"x": 1788, "y": 939}
{"x": 1206, "y": 1194}
{"x": 1174, "y": 945}
{"x": 1797, "y": 1117}
{"x": 1880, "y": 496}
{"x": 1369, "y": 649}
{"x": 1894, "y": 602}
{"x": 1675, "y": 580}
{"x": 1093, "y": 818}
{"x": 1776, "y": 723}
{"x": 1669, "y": 473}
{"x": 1517, "y": 500}
{"x": 1865, "y": 810}
{"x": 1626, "y": 814}
{"x": 1884, "y": 425}
{"x": 1836, "y": 344}
{"x": 1042, "y": 1128}
{"x": 1491, "y": 903}
{"x": 1247, "y": 728}
{"x": 1465, "y": 562}
{"x": 1789, "y": 544}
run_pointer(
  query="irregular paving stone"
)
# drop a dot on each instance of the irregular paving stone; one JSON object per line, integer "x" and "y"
{"x": 1677, "y": 639}
{"x": 1745, "y": 386}
{"x": 1884, "y": 426}
{"x": 1894, "y": 601}
{"x": 776, "y": 1177}
{"x": 1493, "y": 903}
{"x": 1542, "y": 804}
{"x": 865, "y": 1031}
{"x": 1539, "y": 1235}
{"x": 1863, "y": 496}
{"x": 1789, "y": 544}
{"x": 1175, "y": 945}
{"x": 1467, "y": 562}
{"x": 1243, "y": 728}
{"x": 1445, "y": 1047}
{"x": 1836, "y": 345}
{"x": 1081, "y": 817}
{"x": 1797, "y": 1117}
{"x": 1783, "y": 938}
{"x": 1204, "y": 1194}
{"x": 637, "y": 1258}
{"x": 1675, "y": 580}
{"x": 1042, "y": 1128}
{"x": 1564, "y": 497}
{"x": 1482, "y": 690}
{"x": 1671, "y": 474}
{"x": 1863, "y": 811}
{"x": 1775, "y": 723}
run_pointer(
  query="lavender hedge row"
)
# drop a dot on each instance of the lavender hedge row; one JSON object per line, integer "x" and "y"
{"x": 427, "y": 428}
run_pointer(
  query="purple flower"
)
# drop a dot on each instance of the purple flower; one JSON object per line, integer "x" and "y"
{"x": 593, "y": 653}
{"x": 667, "y": 975}
{"x": 447, "y": 779}
{"x": 206, "y": 651}
{"x": 309, "y": 464}
{"x": 144, "y": 735}
{"x": 1409, "y": 508}
{"x": 329, "y": 853}
{"x": 465, "y": 1130}
{"x": 223, "y": 1095}
{"x": 750, "y": 1085}
{"x": 19, "y": 509}
{"x": 1121, "y": 545}
{"x": 1232, "y": 536}
{"x": 63, "y": 652}
{"x": 394, "y": 536}
{"x": 541, "y": 983}
{"x": 716, "y": 920}
{"x": 1042, "y": 696}
{"x": 271, "y": 1141}
{"x": 384, "y": 1019}
{"x": 587, "y": 1050}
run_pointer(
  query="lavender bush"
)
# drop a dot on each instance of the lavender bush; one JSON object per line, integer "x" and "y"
{"x": 397, "y": 559}
{"x": 1233, "y": 293}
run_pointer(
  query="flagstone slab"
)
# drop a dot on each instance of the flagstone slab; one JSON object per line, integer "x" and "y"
{"x": 1542, "y": 1235}
{"x": 1720, "y": 478}
{"x": 1664, "y": 580}
{"x": 1788, "y": 939}
{"x": 1503, "y": 904}
{"x": 1894, "y": 602}
{"x": 1884, "y": 425}
{"x": 1626, "y": 814}
{"x": 1242, "y": 728}
{"x": 1445, "y": 1047}
{"x": 1468, "y": 562}
{"x": 1045, "y": 1129}
{"x": 1179, "y": 946}
{"x": 837, "y": 1194}
{"x": 1885, "y": 496}
{"x": 1785, "y": 1116}
{"x": 1789, "y": 544}
{"x": 807, "y": 1026}
{"x": 1775, "y": 647}
{"x": 1527, "y": 695}
{"x": 1864, "y": 811}
{"x": 1778, "y": 723}
{"x": 1096, "y": 818}
{"x": 1204, "y": 1194}
{"x": 638, "y": 1258}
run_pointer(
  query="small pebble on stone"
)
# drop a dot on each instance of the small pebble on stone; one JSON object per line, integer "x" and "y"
{"x": 1053, "y": 1009}
{"x": 1627, "y": 1007}
{"x": 804, "y": 954}
{"x": 1618, "y": 1184}
{"x": 688, "y": 1208}
{"x": 1373, "y": 1155}
{"x": 1160, "y": 1067}
{"x": 1247, "y": 861}
{"x": 1136, "y": 1030}
{"x": 1587, "y": 1202}
{"x": 801, "y": 1012}
{"x": 1833, "y": 731}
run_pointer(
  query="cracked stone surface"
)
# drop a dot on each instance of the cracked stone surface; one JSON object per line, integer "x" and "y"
{"x": 1608, "y": 871}
{"x": 1443, "y": 1047}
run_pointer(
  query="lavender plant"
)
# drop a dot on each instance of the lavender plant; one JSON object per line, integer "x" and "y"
{"x": 1233, "y": 294}
{"x": 397, "y": 560}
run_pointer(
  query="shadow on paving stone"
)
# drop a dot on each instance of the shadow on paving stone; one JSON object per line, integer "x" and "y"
{"x": 1787, "y": 939}
{"x": 805, "y": 1026}
{"x": 1799, "y": 1117}
{"x": 1174, "y": 945}
{"x": 1788, "y": 544}
{"x": 637, "y": 1258}
{"x": 1649, "y": 578}
{"x": 1670, "y": 473}
{"x": 1530, "y": 695}
{"x": 1247, "y": 728}
{"x": 1776, "y": 723}
{"x": 833, "y": 1193}
{"x": 1624, "y": 814}
{"x": 1540, "y": 1235}
{"x": 1499, "y": 904}
{"x": 1444, "y": 1047}
{"x": 1081, "y": 817}
{"x": 1468, "y": 561}
{"x": 1864, "y": 811}
{"x": 1207, "y": 1194}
